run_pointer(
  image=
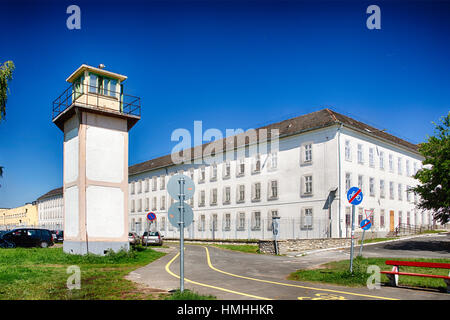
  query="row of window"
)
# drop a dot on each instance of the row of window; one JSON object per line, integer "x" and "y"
{"x": 381, "y": 159}
{"x": 47, "y": 204}
{"x": 380, "y": 219}
{"x": 401, "y": 189}
{"x": 240, "y": 191}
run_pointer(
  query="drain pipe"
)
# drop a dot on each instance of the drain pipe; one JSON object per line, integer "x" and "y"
{"x": 339, "y": 175}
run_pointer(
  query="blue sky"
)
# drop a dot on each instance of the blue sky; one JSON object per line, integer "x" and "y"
{"x": 231, "y": 64}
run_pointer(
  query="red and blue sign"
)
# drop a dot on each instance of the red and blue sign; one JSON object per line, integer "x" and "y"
{"x": 365, "y": 224}
{"x": 151, "y": 216}
{"x": 354, "y": 196}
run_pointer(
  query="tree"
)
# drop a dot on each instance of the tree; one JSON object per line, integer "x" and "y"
{"x": 6, "y": 72}
{"x": 434, "y": 177}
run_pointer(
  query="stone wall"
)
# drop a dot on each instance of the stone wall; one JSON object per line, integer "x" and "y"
{"x": 302, "y": 245}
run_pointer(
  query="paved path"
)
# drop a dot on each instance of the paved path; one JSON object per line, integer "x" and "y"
{"x": 234, "y": 275}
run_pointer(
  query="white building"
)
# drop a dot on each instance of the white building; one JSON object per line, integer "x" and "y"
{"x": 51, "y": 210}
{"x": 319, "y": 157}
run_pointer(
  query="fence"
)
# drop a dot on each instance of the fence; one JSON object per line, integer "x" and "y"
{"x": 289, "y": 228}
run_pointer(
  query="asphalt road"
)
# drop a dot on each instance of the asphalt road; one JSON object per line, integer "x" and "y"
{"x": 234, "y": 275}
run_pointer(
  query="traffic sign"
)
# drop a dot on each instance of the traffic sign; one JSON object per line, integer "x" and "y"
{"x": 183, "y": 184}
{"x": 365, "y": 224}
{"x": 151, "y": 216}
{"x": 354, "y": 196}
{"x": 175, "y": 215}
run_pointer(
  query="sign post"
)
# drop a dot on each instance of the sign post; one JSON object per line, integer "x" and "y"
{"x": 365, "y": 225}
{"x": 150, "y": 217}
{"x": 354, "y": 197}
{"x": 181, "y": 187}
{"x": 275, "y": 231}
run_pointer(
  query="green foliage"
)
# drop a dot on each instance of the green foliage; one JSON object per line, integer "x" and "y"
{"x": 434, "y": 187}
{"x": 189, "y": 295}
{"x": 6, "y": 72}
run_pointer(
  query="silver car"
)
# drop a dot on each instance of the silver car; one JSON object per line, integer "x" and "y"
{"x": 152, "y": 237}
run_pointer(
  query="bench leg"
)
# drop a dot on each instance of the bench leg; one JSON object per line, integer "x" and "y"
{"x": 447, "y": 281}
{"x": 393, "y": 278}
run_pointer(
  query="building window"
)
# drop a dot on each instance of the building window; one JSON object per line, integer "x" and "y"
{"x": 371, "y": 158}
{"x": 408, "y": 193}
{"x": 202, "y": 223}
{"x": 408, "y": 218}
{"x": 227, "y": 222}
{"x": 213, "y": 172}
{"x": 348, "y": 181}
{"x": 227, "y": 195}
{"x": 154, "y": 183}
{"x": 273, "y": 190}
{"x": 146, "y": 184}
{"x": 399, "y": 165}
{"x": 381, "y": 160}
{"x": 226, "y": 170}
{"x": 307, "y": 185}
{"x": 306, "y": 219}
{"x": 256, "y": 163}
{"x": 348, "y": 151}
{"x": 382, "y": 218}
{"x": 382, "y": 188}
{"x": 241, "y": 221}
{"x": 407, "y": 168}
{"x": 132, "y": 205}
{"x": 201, "y": 199}
{"x": 372, "y": 187}
{"x": 163, "y": 203}
{"x": 147, "y": 204}
{"x": 415, "y": 168}
{"x": 132, "y": 187}
{"x": 348, "y": 216}
{"x": 360, "y": 215}
{"x": 391, "y": 163}
{"x": 400, "y": 217}
{"x": 241, "y": 193}
{"x": 162, "y": 180}
{"x": 139, "y": 186}
{"x": 391, "y": 190}
{"x": 360, "y": 154}
{"x": 163, "y": 223}
{"x": 306, "y": 153}
{"x": 400, "y": 193}
{"x": 256, "y": 220}
{"x": 201, "y": 177}
{"x": 154, "y": 203}
{"x": 273, "y": 160}
{"x": 256, "y": 191}
{"x": 360, "y": 182}
{"x": 213, "y": 226}
{"x": 240, "y": 167}
{"x": 213, "y": 196}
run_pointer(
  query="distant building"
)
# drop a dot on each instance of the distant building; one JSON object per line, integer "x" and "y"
{"x": 51, "y": 210}
{"x": 320, "y": 156}
{"x": 23, "y": 216}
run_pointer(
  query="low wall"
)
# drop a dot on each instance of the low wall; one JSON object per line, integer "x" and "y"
{"x": 302, "y": 245}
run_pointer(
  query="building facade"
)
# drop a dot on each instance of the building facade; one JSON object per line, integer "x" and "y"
{"x": 302, "y": 179}
{"x": 23, "y": 216}
{"x": 51, "y": 210}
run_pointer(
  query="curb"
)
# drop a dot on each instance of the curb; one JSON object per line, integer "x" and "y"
{"x": 301, "y": 254}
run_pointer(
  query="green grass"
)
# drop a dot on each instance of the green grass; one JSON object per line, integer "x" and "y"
{"x": 189, "y": 295}
{"x": 376, "y": 240}
{"x": 37, "y": 273}
{"x": 338, "y": 273}
{"x": 248, "y": 248}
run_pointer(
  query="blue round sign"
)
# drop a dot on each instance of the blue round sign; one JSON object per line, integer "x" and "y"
{"x": 354, "y": 196}
{"x": 151, "y": 216}
{"x": 365, "y": 224}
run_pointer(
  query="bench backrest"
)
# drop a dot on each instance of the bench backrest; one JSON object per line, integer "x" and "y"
{"x": 418, "y": 264}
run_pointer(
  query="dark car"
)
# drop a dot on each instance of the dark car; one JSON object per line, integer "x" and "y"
{"x": 58, "y": 236}
{"x": 28, "y": 237}
{"x": 6, "y": 244}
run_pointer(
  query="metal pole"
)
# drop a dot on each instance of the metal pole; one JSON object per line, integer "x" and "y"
{"x": 353, "y": 239}
{"x": 181, "y": 198}
{"x": 362, "y": 241}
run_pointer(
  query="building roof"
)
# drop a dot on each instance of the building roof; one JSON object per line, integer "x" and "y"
{"x": 54, "y": 192}
{"x": 311, "y": 121}
{"x": 104, "y": 72}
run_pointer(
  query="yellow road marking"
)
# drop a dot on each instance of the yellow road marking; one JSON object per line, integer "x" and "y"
{"x": 210, "y": 286}
{"x": 288, "y": 284}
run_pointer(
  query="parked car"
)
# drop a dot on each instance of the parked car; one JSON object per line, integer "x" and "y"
{"x": 152, "y": 237}
{"x": 58, "y": 236}
{"x": 6, "y": 244}
{"x": 29, "y": 237}
{"x": 133, "y": 238}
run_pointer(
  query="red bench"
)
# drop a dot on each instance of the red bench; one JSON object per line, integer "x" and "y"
{"x": 393, "y": 275}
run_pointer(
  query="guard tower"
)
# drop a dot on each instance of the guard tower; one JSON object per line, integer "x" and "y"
{"x": 95, "y": 116}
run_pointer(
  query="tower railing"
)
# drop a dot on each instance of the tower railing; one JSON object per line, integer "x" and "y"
{"x": 93, "y": 97}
